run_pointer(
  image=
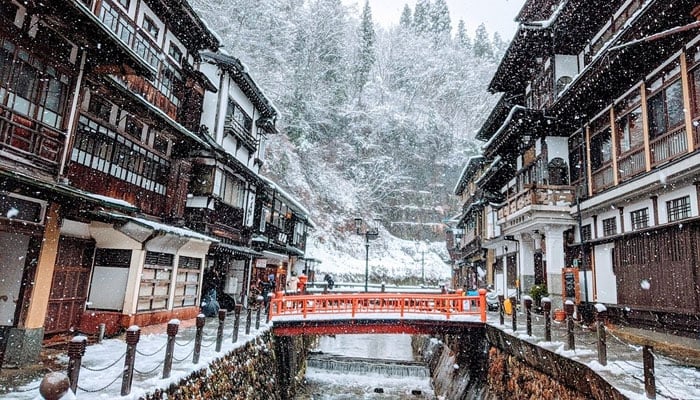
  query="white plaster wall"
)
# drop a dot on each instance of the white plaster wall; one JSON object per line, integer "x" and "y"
{"x": 144, "y": 10}
{"x": 565, "y": 65}
{"x": 557, "y": 147}
{"x": 605, "y": 283}
{"x": 211, "y": 100}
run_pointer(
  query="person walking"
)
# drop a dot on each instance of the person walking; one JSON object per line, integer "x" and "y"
{"x": 293, "y": 283}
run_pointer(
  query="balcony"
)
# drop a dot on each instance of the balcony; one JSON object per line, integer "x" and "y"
{"x": 232, "y": 127}
{"x": 29, "y": 142}
{"x": 631, "y": 164}
{"x": 668, "y": 146}
{"x": 537, "y": 195}
{"x": 610, "y": 29}
{"x": 603, "y": 178}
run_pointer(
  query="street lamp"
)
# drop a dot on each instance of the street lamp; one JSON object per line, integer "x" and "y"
{"x": 422, "y": 249}
{"x": 370, "y": 233}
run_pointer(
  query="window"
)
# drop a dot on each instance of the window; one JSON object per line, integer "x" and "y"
{"x": 609, "y": 226}
{"x": 103, "y": 149}
{"x": 629, "y": 130}
{"x": 100, "y": 108}
{"x": 124, "y": 3}
{"x": 175, "y": 53}
{"x": 232, "y": 190}
{"x": 133, "y": 127}
{"x": 678, "y": 209}
{"x": 236, "y": 114}
{"x": 155, "y": 281}
{"x": 150, "y": 27}
{"x": 576, "y": 148}
{"x": 187, "y": 281}
{"x": 640, "y": 218}
{"x": 601, "y": 144}
{"x": 30, "y": 87}
{"x": 586, "y": 233}
{"x": 665, "y": 103}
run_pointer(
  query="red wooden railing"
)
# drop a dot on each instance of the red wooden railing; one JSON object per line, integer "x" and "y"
{"x": 352, "y": 305}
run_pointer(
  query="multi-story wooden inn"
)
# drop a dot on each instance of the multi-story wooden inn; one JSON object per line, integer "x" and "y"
{"x": 591, "y": 159}
{"x": 121, "y": 182}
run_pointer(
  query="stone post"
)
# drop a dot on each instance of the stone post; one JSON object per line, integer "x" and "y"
{"x": 569, "y": 309}
{"x": 527, "y": 301}
{"x": 133, "y": 335}
{"x": 547, "y": 308}
{"x": 601, "y": 312}
{"x": 236, "y": 321}
{"x": 201, "y": 319}
{"x": 514, "y": 312}
{"x": 501, "y": 312}
{"x": 220, "y": 331}
{"x": 76, "y": 351}
{"x": 173, "y": 327}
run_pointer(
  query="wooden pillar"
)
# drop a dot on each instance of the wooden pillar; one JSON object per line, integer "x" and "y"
{"x": 613, "y": 143}
{"x": 587, "y": 147}
{"x": 40, "y": 291}
{"x": 645, "y": 128}
{"x": 687, "y": 104}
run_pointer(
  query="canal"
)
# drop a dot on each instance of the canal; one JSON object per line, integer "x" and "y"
{"x": 365, "y": 367}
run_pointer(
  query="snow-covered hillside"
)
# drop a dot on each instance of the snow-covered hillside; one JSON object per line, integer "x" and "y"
{"x": 375, "y": 122}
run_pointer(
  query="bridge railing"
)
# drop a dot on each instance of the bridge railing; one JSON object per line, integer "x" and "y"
{"x": 379, "y": 303}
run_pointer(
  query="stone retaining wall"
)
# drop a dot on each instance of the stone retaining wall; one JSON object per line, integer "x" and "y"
{"x": 250, "y": 372}
{"x": 491, "y": 364}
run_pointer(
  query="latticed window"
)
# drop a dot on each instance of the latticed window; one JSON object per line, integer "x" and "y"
{"x": 187, "y": 281}
{"x": 155, "y": 281}
{"x": 586, "y": 232}
{"x": 640, "y": 218}
{"x": 609, "y": 226}
{"x": 678, "y": 209}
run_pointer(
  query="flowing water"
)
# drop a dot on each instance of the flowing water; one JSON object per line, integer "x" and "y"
{"x": 365, "y": 367}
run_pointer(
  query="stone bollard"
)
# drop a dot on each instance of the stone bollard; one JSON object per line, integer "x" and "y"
{"x": 132, "y": 338}
{"x": 101, "y": 334}
{"x": 54, "y": 386}
{"x": 501, "y": 311}
{"x": 514, "y": 312}
{"x": 201, "y": 320}
{"x": 383, "y": 287}
{"x": 248, "y": 320}
{"x": 76, "y": 351}
{"x": 259, "y": 307}
{"x": 547, "y": 308}
{"x": 601, "y": 312}
{"x": 220, "y": 331}
{"x": 236, "y": 321}
{"x": 569, "y": 310}
{"x": 527, "y": 301}
{"x": 649, "y": 375}
{"x": 173, "y": 327}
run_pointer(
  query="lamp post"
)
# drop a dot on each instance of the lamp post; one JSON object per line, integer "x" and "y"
{"x": 421, "y": 248}
{"x": 370, "y": 233}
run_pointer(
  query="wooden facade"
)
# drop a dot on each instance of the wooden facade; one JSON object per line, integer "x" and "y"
{"x": 602, "y": 132}
{"x": 102, "y": 104}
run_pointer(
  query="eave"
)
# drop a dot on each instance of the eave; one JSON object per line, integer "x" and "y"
{"x": 521, "y": 122}
{"x": 498, "y": 114}
{"x": 473, "y": 165}
{"x": 186, "y": 23}
{"x": 614, "y": 71}
{"x": 520, "y": 60}
{"x": 234, "y": 67}
{"x": 496, "y": 175}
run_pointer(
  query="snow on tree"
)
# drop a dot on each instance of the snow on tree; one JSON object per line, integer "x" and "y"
{"x": 366, "y": 57}
{"x": 406, "y": 20}
{"x": 482, "y": 45}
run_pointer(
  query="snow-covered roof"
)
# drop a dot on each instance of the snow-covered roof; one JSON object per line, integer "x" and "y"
{"x": 301, "y": 209}
{"x": 467, "y": 171}
{"x": 243, "y": 78}
{"x": 157, "y": 226}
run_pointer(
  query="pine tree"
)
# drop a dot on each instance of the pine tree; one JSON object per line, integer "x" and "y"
{"x": 482, "y": 44}
{"x": 406, "y": 17}
{"x": 462, "y": 38}
{"x": 440, "y": 23}
{"x": 499, "y": 46}
{"x": 421, "y": 16}
{"x": 366, "y": 56}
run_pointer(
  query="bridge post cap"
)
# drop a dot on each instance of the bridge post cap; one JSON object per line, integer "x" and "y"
{"x": 546, "y": 304}
{"x": 54, "y": 385}
{"x": 238, "y": 307}
{"x": 482, "y": 291}
{"x": 527, "y": 300}
{"x": 222, "y": 314}
{"x": 201, "y": 319}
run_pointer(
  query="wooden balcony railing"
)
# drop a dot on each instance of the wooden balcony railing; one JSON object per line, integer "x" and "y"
{"x": 631, "y": 164}
{"x": 551, "y": 195}
{"x": 30, "y": 142}
{"x": 668, "y": 146}
{"x": 233, "y": 128}
{"x": 603, "y": 178}
{"x": 616, "y": 22}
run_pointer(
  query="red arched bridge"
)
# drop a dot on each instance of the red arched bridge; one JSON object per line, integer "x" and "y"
{"x": 413, "y": 313}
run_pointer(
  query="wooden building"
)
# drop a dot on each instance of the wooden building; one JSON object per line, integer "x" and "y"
{"x": 594, "y": 147}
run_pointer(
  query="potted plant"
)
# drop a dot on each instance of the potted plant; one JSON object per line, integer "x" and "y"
{"x": 537, "y": 292}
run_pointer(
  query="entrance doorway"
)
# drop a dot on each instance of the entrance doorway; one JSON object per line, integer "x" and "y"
{"x": 70, "y": 285}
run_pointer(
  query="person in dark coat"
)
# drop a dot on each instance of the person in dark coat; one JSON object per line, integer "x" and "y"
{"x": 329, "y": 280}
{"x": 210, "y": 306}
